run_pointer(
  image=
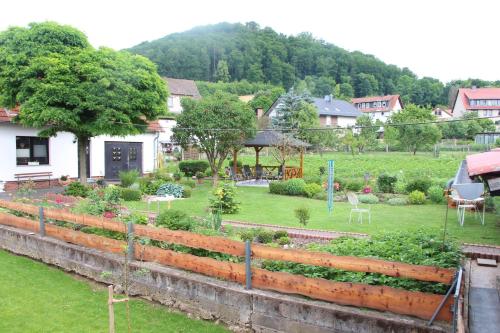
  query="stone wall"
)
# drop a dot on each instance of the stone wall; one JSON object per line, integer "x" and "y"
{"x": 209, "y": 298}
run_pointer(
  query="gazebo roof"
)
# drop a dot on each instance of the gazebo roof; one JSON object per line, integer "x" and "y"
{"x": 270, "y": 138}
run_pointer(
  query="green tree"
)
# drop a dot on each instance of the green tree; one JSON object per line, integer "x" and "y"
{"x": 367, "y": 133}
{"x": 222, "y": 74}
{"x": 476, "y": 125}
{"x": 217, "y": 124}
{"x": 265, "y": 98}
{"x": 64, "y": 85}
{"x": 409, "y": 131}
{"x": 344, "y": 91}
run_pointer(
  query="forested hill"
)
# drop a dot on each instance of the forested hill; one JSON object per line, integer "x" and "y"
{"x": 234, "y": 52}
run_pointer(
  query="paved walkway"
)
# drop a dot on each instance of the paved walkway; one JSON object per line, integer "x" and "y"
{"x": 484, "y": 299}
{"x": 475, "y": 251}
{"x": 297, "y": 232}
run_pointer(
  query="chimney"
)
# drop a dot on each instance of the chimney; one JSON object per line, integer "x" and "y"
{"x": 329, "y": 98}
{"x": 259, "y": 112}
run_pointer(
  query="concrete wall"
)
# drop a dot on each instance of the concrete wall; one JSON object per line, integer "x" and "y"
{"x": 208, "y": 298}
{"x": 174, "y": 103}
{"x": 63, "y": 156}
{"x": 346, "y": 121}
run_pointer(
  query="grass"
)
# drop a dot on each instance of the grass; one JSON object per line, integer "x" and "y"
{"x": 258, "y": 205}
{"x": 40, "y": 298}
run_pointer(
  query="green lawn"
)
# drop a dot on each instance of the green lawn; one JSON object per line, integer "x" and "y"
{"x": 35, "y": 297}
{"x": 258, "y": 205}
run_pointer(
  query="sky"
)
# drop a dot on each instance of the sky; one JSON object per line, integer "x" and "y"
{"x": 443, "y": 39}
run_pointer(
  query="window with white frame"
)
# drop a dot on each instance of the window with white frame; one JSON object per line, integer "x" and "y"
{"x": 170, "y": 102}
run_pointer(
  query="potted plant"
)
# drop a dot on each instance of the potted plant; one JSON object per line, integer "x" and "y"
{"x": 64, "y": 180}
{"x": 200, "y": 176}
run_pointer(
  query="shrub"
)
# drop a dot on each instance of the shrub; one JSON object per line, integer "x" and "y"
{"x": 175, "y": 220}
{"x": 277, "y": 187}
{"x": 162, "y": 174}
{"x": 321, "y": 196}
{"x": 191, "y": 167}
{"x": 322, "y": 170}
{"x": 416, "y": 198}
{"x": 285, "y": 240}
{"x": 247, "y": 234}
{"x": 312, "y": 189}
{"x": 312, "y": 180}
{"x": 397, "y": 201}
{"x": 186, "y": 192}
{"x": 368, "y": 198}
{"x": 303, "y": 215}
{"x": 264, "y": 236}
{"x": 77, "y": 189}
{"x": 188, "y": 182}
{"x": 354, "y": 185}
{"x": 294, "y": 186}
{"x": 340, "y": 184}
{"x": 150, "y": 186}
{"x": 127, "y": 178}
{"x": 419, "y": 184}
{"x": 385, "y": 183}
{"x": 170, "y": 189}
{"x": 177, "y": 176}
{"x": 64, "y": 178}
{"x": 400, "y": 187}
{"x": 224, "y": 198}
{"x": 136, "y": 218}
{"x": 129, "y": 194}
{"x": 200, "y": 175}
{"x": 436, "y": 194}
{"x": 280, "y": 233}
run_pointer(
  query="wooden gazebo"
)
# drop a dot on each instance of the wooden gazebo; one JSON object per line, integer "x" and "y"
{"x": 271, "y": 138}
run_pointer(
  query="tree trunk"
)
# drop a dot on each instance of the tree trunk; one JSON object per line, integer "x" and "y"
{"x": 82, "y": 158}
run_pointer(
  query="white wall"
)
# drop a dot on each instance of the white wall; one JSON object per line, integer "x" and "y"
{"x": 149, "y": 150}
{"x": 166, "y": 125}
{"x": 176, "y": 106}
{"x": 377, "y": 115}
{"x": 346, "y": 121}
{"x": 63, "y": 153}
{"x": 459, "y": 107}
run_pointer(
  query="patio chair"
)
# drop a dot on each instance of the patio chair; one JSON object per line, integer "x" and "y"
{"x": 259, "y": 171}
{"x": 464, "y": 204}
{"x": 247, "y": 172}
{"x": 354, "y": 201}
{"x": 233, "y": 174}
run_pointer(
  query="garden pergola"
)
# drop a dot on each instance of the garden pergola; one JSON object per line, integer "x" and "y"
{"x": 283, "y": 142}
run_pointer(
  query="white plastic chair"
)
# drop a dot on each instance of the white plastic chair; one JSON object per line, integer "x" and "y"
{"x": 354, "y": 201}
{"x": 464, "y": 204}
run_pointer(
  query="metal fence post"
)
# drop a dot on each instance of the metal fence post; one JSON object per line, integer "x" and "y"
{"x": 42, "y": 221}
{"x": 248, "y": 268}
{"x": 130, "y": 241}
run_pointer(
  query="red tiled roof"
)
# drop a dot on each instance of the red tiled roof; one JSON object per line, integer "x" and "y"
{"x": 478, "y": 164}
{"x": 154, "y": 126}
{"x": 391, "y": 99}
{"x": 7, "y": 115}
{"x": 467, "y": 94}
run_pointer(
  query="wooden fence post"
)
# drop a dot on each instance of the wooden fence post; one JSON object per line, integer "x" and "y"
{"x": 111, "y": 310}
{"x": 42, "y": 221}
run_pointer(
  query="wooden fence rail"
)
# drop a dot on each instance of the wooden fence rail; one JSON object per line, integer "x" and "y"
{"x": 383, "y": 298}
{"x": 237, "y": 248}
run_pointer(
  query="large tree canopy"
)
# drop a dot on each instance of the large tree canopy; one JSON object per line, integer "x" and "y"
{"x": 216, "y": 124}
{"x": 63, "y": 84}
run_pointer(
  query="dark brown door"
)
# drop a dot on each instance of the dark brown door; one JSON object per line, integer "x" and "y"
{"x": 121, "y": 156}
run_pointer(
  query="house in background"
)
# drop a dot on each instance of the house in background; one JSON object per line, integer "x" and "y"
{"x": 331, "y": 112}
{"x": 378, "y": 107}
{"x": 178, "y": 89}
{"x": 485, "y": 102}
{"x": 442, "y": 114}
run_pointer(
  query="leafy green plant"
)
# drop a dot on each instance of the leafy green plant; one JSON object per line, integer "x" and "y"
{"x": 129, "y": 194}
{"x": 294, "y": 186}
{"x": 285, "y": 240}
{"x": 77, "y": 189}
{"x": 177, "y": 176}
{"x": 312, "y": 189}
{"x": 416, "y": 198}
{"x": 264, "y": 236}
{"x": 277, "y": 187}
{"x": 303, "y": 215}
{"x": 175, "y": 220}
{"x": 188, "y": 182}
{"x": 313, "y": 179}
{"x": 224, "y": 198}
{"x": 247, "y": 234}
{"x": 191, "y": 167}
{"x": 280, "y": 233}
{"x": 385, "y": 183}
{"x": 200, "y": 175}
{"x": 186, "y": 192}
{"x": 170, "y": 189}
{"x": 397, "y": 201}
{"x": 400, "y": 187}
{"x": 368, "y": 198}
{"x": 129, "y": 177}
{"x": 436, "y": 194}
{"x": 419, "y": 184}
{"x": 150, "y": 186}
{"x": 136, "y": 218}
{"x": 354, "y": 185}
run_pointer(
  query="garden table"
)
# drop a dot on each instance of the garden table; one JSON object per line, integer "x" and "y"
{"x": 158, "y": 199}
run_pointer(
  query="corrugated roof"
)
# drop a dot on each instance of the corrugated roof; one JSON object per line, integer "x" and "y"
{"x": 182, "y": 87}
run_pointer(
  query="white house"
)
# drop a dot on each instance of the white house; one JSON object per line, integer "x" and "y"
{"x": 178, "y": 89}
{"x": 379, "y": 107}
{"x": 485, "y": 102}
{"x": 442, "y": 114}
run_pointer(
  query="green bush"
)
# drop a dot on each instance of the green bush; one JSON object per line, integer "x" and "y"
{"x": 177, "y": 176}
{"x": 186, "y": 192}
{"x": 162, "y": 174}
{"x": 224, "y": 198}
{"x": 127, "y": 178}
{"x": 294, "y": 186}
{"x": 247, "y": 234}
{"x": 416, "y": 198}
{"x": 436, "y": 194}
{"x": 419, "y": 184}
{"x": 368, "y": 198}
{"x": 400, "y": 187}
{"x": 385, "y": 183}
{"x": 77, "y": 189}
{"x": 397, "y": 201}
{"x": 280, "y": 233}
{"x": 285, "y": 240}
{"x": 277, "y": 187}
{"x": 354, "y": 185}
{"x": 191, "y": 167}
{"x": 175, "y": 220}
{"x": 129, "y": 194}
{"x": 188, "y": 182}
{"x": 341, "y": 183}
{"x": 264, "y": 236}
{"x": 303, "y": 215}
{"x": 136, "y": 218}
{"x": 313, "y": 180}
{"x": 200, "y": 175}
{"x": 312, "y": 189}
{"x": 321, "y": 195}
{"x": 170, "y": 189}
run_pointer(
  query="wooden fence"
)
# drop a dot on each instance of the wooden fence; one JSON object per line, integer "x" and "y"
{"x": 419, "y": 304}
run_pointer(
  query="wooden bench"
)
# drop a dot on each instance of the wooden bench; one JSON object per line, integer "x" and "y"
{"x": 29, "y": 176}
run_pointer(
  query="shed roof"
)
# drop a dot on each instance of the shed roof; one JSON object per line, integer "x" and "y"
{"x": 182, "y": 87}
{"x": 269, "y": 138}
{"x": 478, "y": 164}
